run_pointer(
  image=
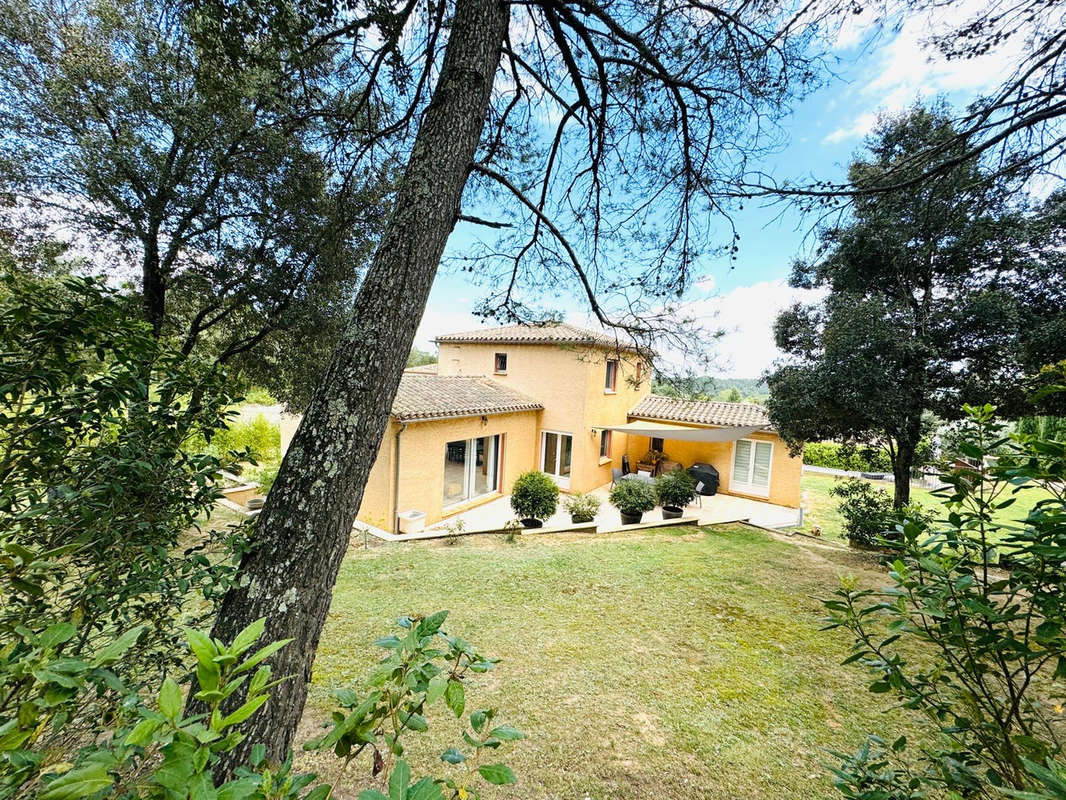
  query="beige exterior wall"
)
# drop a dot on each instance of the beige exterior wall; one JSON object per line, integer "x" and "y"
{"x": 785, "y": 471}
{"x": 570, "y": 383}
{"x": 421, "y": 464}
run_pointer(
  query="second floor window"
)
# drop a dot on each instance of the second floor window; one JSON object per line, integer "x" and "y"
{"x": 610, "y": 382}
{"x": 501, "y": 362}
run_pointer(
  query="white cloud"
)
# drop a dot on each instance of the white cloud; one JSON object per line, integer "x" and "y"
{"x": 747, "y": 315}
{"x": 907, "y": 67}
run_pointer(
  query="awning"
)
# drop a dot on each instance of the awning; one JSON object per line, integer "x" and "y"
{"x": 683, "y": 433}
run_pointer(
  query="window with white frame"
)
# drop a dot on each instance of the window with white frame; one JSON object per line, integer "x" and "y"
{"x": 751, "y": 466}
{"x": 610, "y": 378}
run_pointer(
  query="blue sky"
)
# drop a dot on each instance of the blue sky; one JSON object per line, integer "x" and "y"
{"x": 887, "y": 73}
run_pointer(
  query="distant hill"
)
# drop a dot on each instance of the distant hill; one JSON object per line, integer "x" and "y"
{"x": 750, "y": 390}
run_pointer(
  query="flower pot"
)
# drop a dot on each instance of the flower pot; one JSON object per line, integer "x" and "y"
{"x": 631, "y": 519}
{"x": 672, "y": 512}
{"x": 576, "y": 520}
{"x": 529, "y": 522}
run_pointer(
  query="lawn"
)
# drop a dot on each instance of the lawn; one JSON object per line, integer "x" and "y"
{"x": 685, "y": 663}
{"x": 820, "y": 507}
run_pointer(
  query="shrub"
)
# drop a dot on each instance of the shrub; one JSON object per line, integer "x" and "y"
{"x": 833, "y": 455}
{"x": 257, "y": 440}
{"x": 582, "y": 507}
{"x": 96, "y": 479}
{"x": 976, "y": 652}
{"x": 632, "y": 497}
{"x": 676, "y": 489}
{"x": 868, "y": 513}
{"x": 534, "y": 496}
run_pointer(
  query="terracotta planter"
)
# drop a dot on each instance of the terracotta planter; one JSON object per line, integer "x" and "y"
{"x": 532, "y": 523}
{"x": 631, "y": 519}
{"x": 672, "y": 512}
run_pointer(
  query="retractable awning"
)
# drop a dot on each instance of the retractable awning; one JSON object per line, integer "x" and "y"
{"x": 684, "y": 433}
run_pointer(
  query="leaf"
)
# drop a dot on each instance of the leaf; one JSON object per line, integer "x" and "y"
{"x": 245, "y": 711}
{"x": 398, "y": 780}
{"x": 170, "y": 698}
{"x": 416, "y": 722}
{"x": 425, "y": 789}
{"x": 477, "y": 720}
{"x": 56, "y": 634}
{"x": 507, "y": 733}
{"x": 78, "y": 783}
{"x": 431, "y": 624}
{"x": 438, "y": 684}
{"x": 202, "y": 646}
{"x": 261, "y": 655}
{"x": 372, "y": 794}
{"x": 258, "y": 754}
{"x": 116, "y": 649}
{"x": 497, "y": 774}
{"x": 142, "y": 732}
{"x": 249, "y": 636}
{"x": 455, "y": 697}
{"x": 452, "y": 756}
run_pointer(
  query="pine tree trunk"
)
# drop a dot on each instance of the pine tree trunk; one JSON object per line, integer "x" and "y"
{"x": 302, "y": 534}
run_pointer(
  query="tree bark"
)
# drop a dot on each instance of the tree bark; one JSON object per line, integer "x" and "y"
{"x": 903, "y": 460}
{"x": 153, "y": 286}
{"x": 302, "y": 534}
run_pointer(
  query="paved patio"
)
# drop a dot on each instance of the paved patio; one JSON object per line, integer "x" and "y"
{"x": 716, "y": 509}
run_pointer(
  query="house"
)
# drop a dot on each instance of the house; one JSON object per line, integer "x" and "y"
{"x": 568, "y": 401}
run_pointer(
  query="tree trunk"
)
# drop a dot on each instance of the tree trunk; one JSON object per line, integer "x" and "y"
{"x": 303, "y": 531}
{"x": 903, "y": 460}
{"x": 153, "y": 287}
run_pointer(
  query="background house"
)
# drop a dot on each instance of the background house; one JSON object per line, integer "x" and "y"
{"x": 561, "y": 399}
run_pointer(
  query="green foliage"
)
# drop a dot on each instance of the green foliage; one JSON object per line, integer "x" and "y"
{"x": 256, "y": 440}
{"x": 983, "y": 600}
{"x": 676, "y": 488}
{"x": 259, "y": 396}
{"x": 152, "y": 751}
{"x": 423, "y": 666}
{"x": 581, "y": 506}
{"x": 97, "y": 485}
{"x": 418, "y": 358}
{"x": 841, "y": 456}
{"x": 534, "y": 496}
{"x": 867, "y": 512}
{"x": 632, "y": 497}
{"x": 914, "y": 321}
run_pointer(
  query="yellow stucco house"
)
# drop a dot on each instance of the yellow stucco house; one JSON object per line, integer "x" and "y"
{"x": 568, "y": 401}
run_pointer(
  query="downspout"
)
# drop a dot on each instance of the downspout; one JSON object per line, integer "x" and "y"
{"x": 396, "y": 481}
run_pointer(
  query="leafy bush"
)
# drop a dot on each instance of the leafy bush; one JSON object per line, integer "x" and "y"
{"x": 534, "y": 496}
{"x": 632, "y": 497}
{"x": 257, "y": 440}
{"x": 259, "y": 396}
{"x": 424, "y": 666}
{"x": 992, "y": 643}
{"x": 868, "y": 513}
{"x": 833, "y": 455}
{"x": 582, "y": 507}
{"x": 98, "y": 487}
{"x": 676, "y": 489}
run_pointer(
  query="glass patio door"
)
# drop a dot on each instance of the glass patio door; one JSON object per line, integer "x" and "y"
{"x": 471, "y": 468}
{"x": 556, "y": 451}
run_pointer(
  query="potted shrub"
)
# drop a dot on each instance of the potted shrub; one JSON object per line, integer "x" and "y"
{"x": 674, "y": 490}
{"x": 632, "y": 498}
{"x": 582, "y": 507}
{"x": 534, "y": 498}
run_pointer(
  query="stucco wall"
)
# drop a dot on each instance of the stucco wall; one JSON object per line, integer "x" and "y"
{"x": 569, "y": 383}
{"x": 421, "y": 459}
{"x": 785, "y": 471}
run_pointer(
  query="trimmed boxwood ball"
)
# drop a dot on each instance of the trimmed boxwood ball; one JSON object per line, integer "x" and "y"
{"x": 632, "y": 497}
{"x": 676, "y": 489}
{"x": 534, "y": 496}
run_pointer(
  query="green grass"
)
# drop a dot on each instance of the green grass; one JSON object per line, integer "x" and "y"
{"x": 820, "y": 507}
{"x": 679, "y": 664}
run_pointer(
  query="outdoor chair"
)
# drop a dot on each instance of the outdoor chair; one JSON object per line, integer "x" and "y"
{"x": 616, "y": 475}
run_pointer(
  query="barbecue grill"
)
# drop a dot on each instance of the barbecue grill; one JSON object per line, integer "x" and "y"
{"x": 704, "y": 474}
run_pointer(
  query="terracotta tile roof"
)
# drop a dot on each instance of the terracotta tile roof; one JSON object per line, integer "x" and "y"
{"x": 431, "y": 396}
{"x": 423, "y": 369}
{"x": 700, "y": 412}
{"x": 548, "y": 333}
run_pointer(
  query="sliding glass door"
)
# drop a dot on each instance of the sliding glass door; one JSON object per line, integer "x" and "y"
{"x": 471, "y": 468}
{"x": 751, "y": 466}
{"x": 556, "y": 450}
